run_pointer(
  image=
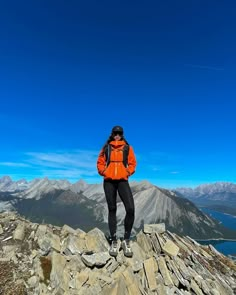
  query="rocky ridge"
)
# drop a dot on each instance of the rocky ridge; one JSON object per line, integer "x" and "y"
{"x": 46, "y": 259}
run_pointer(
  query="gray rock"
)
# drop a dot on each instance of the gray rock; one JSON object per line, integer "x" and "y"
{"x": 150, "y": 267}
{"x": 33, "y": 281}
{"x": 170, "y": 248}
{"x": 96, "y": 259}
{"x": 164, "y": 272}
{"x": 19, "y": 233}
{"x": 73, "y": 245}
{"x": 131, "y": 282}
{"x": 75, "y": 263}
{"x": 145, "y": 243}
{"x": 195, "y": 287}
{"x": 96, "y": 241}
{"x": 81, "y": 278}
{"x": 44, "y": 245}
{"x": 152, "y": 228}
{"x": 57, "y": 272}
{"x": 1, "y": 229}
{"x": 41, "y": 231}
{"x": 66, "y": 229}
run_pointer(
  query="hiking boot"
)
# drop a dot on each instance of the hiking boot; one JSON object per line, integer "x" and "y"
{"x": 114, "y": 248}
{"x": 125, "y": 245}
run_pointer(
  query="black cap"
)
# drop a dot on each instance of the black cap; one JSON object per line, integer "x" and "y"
{"x": 117, "y": 129}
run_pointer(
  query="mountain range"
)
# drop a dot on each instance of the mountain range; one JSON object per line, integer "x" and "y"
{"x": 83, "y": 205}
{"x": 219, "y": 196}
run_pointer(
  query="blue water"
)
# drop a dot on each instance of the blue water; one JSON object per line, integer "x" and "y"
{"x": 226, "y": 219}
{"x": 225, "y": 247}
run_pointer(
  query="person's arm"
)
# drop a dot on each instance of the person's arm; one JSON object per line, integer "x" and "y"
{"x": 101, "y": 162}
{"x": 131, "y": 161}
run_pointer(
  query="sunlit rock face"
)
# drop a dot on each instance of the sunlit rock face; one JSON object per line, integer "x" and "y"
{"x": 45, "y": 259}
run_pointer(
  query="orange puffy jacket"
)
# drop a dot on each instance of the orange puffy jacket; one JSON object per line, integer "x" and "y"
{"x": 116, "y": 169}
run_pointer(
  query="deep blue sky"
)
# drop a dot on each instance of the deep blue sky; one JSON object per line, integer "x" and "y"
{"x": 164, "y": 70}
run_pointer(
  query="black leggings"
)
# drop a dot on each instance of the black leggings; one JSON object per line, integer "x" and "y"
{"x": 122, "y": 186}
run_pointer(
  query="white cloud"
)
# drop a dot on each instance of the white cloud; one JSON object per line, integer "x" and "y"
{"x": 14, "y": 164}
{"x": 79, "y": 158}
{"x": 71, "y": 165}
{"x": 64, "y": 164}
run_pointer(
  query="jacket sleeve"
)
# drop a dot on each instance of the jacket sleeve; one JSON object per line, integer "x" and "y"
{"x": 101, "y": 162}
{"x": 131, "y": 161}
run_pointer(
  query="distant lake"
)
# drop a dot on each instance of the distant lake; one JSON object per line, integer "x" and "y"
{"x": 225, "y": 247}
{"x": 226, "y": 219}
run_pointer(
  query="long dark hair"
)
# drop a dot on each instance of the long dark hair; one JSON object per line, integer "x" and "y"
{"x": 111, "y": 138}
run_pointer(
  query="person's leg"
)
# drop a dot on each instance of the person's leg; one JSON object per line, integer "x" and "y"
{"x": 110, "y": 189}
{"x": 128, "y": 200}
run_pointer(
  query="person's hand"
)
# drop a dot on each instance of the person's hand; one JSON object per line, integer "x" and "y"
{"x": 103, "y": 172}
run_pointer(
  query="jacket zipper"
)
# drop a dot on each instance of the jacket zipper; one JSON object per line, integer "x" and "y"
{"x": 115, "y": 169}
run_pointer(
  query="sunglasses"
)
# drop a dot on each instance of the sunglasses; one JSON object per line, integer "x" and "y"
{"x": 117, "y": 133}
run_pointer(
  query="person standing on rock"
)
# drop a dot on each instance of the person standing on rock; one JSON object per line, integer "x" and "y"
{"x": 116, "y": 163}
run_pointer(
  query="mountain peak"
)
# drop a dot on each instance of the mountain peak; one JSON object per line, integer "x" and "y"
{"x": 63, "y": 260}
{"x": 217, "y": 185}
{"x": 7, "y": 184}
{"x": 218, "y": 191}
{"x": 5, "y": 179}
